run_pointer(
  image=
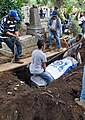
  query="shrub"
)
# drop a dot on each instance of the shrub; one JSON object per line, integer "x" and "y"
{"x": 75, "y": 28}
{"x": 6, "y": 5}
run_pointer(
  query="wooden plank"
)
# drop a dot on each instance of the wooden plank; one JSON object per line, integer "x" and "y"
{"x": 10, "y": 66}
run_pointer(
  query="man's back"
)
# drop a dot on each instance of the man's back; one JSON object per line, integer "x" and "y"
{"x": 38, "y": 58}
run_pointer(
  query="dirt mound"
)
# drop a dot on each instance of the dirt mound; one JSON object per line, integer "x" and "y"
{"x": 19, "y": 101}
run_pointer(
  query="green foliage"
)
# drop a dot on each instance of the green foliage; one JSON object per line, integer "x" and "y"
{"x": 68, "y": 11}
{"x": 60, "y": 15}
{"x": 77, "y": 14}
{"x": 45, "y": 2}
{"x": 56, "y": 2}
{"x": 6, "y": 5}
{"x": 75, "y": 28}
{"x": 38, "y": 1}
{"x": 42, "y": 2}
{"x": 77, "y": 3}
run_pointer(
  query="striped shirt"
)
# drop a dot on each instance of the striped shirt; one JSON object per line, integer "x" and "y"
{"x": 7, "y": 26}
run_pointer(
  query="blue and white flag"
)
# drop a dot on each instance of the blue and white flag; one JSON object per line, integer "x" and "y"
{"x": 60, "y": 67}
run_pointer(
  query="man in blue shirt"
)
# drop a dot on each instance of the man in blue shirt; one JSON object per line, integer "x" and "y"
{"x": 54, "y": 26}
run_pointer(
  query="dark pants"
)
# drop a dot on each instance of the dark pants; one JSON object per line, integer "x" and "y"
{"x": 10, "y": 43}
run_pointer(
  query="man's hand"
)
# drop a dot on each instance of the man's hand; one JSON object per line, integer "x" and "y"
{"x": 78, "y": 50}
{"x": 16, "y": 35}
{"x": 54, "y": 30}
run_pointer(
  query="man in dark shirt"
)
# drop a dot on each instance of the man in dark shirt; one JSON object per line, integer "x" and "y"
{"x": 10, "y": 32}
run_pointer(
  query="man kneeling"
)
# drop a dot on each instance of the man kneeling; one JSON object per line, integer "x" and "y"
{"x": 38, "y": 65}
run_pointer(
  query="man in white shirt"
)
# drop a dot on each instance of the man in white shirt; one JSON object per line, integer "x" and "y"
{"x": 81, "y": 22}
{"x": 38, "y": 65}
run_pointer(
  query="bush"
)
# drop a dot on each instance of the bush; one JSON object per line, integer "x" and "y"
{"x": 75, "y": 28}
{"x": 68, "y": 11}
{"x": 6, "y": 5}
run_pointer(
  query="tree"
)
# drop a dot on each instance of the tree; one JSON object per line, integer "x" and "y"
{"x": 42, "y": 2}
{"x": 6, "y": 5}
{"x": 38, "y": 1}
{"x": 77, "y": 3}
{"x": 57, "y": 2}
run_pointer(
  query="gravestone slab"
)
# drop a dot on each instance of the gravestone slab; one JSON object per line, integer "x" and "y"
{"x": 28, "y": 43}
{"x": 35, "y": 24}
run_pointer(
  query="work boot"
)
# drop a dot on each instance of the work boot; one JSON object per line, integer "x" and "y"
{"x": 61, "y": 49}
{"x": 18, "y": 61}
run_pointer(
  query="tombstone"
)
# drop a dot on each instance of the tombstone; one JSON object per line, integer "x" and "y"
{"x": 35, "y": 25}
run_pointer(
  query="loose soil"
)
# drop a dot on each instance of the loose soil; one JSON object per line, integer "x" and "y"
{"x": 19, "y": 101}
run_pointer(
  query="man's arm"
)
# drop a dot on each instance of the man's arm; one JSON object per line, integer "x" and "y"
{"x": 71, "y": 42}
{"x": 49, "y": 24}
{"x": 16, "y": 35}
{"x": 10, "y": 34}
{"x": 44, "y": 66}
{"x": 6, "y": 27}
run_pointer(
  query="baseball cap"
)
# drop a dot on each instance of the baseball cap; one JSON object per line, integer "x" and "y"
{"x": 14, "y": 14}
{"x": 54, "y": 13}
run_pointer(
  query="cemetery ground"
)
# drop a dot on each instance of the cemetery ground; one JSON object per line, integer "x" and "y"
{"x": 20, "y": 101}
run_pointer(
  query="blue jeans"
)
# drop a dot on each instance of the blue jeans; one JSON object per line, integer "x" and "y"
{"x": 45, "y": 76}
{"x": 83, "y": 27}
{"x": 51, "y": 32}
{"x": 83, "y": 30}
{"x": 10, "y": 43}
{"x": 82, "y": 97}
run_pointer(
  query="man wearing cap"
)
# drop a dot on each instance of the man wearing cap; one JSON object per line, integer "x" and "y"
{"x": 54, "y": 26}
{"x": 56, "y": 9}
{"x": 10, "y": 32}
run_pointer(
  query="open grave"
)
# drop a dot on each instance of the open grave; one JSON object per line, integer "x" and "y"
{"x": 20, "y": 101}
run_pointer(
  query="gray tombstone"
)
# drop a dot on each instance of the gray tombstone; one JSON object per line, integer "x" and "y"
{"x": 35, "y": 25}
